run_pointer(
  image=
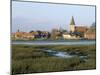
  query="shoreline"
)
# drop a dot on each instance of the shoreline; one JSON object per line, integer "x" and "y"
{"x": 56, "y": 42}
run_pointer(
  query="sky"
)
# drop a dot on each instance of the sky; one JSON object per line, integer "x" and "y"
{"x": 27, "y": 16}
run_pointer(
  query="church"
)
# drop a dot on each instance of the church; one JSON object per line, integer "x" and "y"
{"x": 76, "y": 32}
{"x": 74, "y": 28}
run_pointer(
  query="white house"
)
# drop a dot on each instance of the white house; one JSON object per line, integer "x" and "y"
{"x": 68, "y": 36}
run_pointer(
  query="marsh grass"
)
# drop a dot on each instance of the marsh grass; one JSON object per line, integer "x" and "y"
{"x": 31, "y": 59}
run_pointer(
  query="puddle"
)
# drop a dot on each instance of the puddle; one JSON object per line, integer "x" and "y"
{"x": 64, "y": 54}
{"x": 58, "y": 54}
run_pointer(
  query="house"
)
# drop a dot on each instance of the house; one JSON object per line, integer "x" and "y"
{"x": 40, "y": 34}
{"x": 12, "y": 35}
{"x": 90, "y": 34}
{"x": 69, "y": 36}
{"x": 81, "y": 29}
{"x": 56, "y": 34}
{"x": 24, "y": 35}
{"x": 45, "y": 34}
{"x": 35, "y": 33}
{"x": 19, "y": 35}
{"x": 28, "y": 36}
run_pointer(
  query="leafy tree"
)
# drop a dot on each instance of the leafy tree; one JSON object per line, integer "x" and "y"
{"x": 93, "y": 26}
{"x": 31, "y": 31}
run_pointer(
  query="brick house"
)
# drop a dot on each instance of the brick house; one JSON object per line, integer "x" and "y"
{"x": 90, "y": 34}
{"x": 24, "y": 35}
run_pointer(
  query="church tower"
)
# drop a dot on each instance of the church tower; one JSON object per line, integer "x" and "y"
{"x": 72, "y": 25}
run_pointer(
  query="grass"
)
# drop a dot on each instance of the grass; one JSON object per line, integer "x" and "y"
{"x": 31, "y": 59}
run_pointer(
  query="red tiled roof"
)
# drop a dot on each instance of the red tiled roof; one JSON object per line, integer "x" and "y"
{"x": 81, "y": 28}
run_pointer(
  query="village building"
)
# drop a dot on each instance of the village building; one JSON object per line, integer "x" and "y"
{"x": 35, "y": 33}
{"x": 72, "y": 25}
{"x": 18, "y": 35}
{"x": 56, "y": 34}
{"x": 81, "y": 29}
{"x": 67, "y": 35}
{"x": 76, "y": 32}
{"x": 45, "y": 34}
{"x": 31, "y": 35}
{"x": 77, "y": 29}
{"x": 74, "y": 28}
{"x": 23, "y": 35}
{"x": 12, "y": 35}
{"x": 28, "y": 36}
{"x": 40, "y": 34}
{"x": 90, "y": 34}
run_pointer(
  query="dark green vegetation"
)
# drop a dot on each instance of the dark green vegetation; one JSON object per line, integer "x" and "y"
{"x": 31, "y": 59}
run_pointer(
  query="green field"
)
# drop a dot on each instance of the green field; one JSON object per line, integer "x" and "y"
{"x": 31, "y": 59}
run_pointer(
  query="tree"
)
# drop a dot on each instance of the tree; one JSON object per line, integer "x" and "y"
{"x": 56, "y": 34}
{"x": 31, "y": 31}
{"x": 93, "y": 26}
{"x": 39, "y": 31}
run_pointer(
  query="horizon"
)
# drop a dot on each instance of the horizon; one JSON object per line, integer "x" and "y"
{"x": 27, "y": 16}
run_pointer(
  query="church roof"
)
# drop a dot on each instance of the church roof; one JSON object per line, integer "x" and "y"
{"x": 72, "y": 21}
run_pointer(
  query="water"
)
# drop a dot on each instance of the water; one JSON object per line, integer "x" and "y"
{"x": 61, "y": 54}
{"x": 59, "y": 42}
{"x": 58, "y": 53}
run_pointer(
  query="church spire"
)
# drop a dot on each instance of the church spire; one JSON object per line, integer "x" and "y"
{"x": 72, "y": 21}
{"x": 72, "y": 25}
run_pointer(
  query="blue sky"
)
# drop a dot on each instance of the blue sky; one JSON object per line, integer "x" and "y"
{"x": 28, "y": 16}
